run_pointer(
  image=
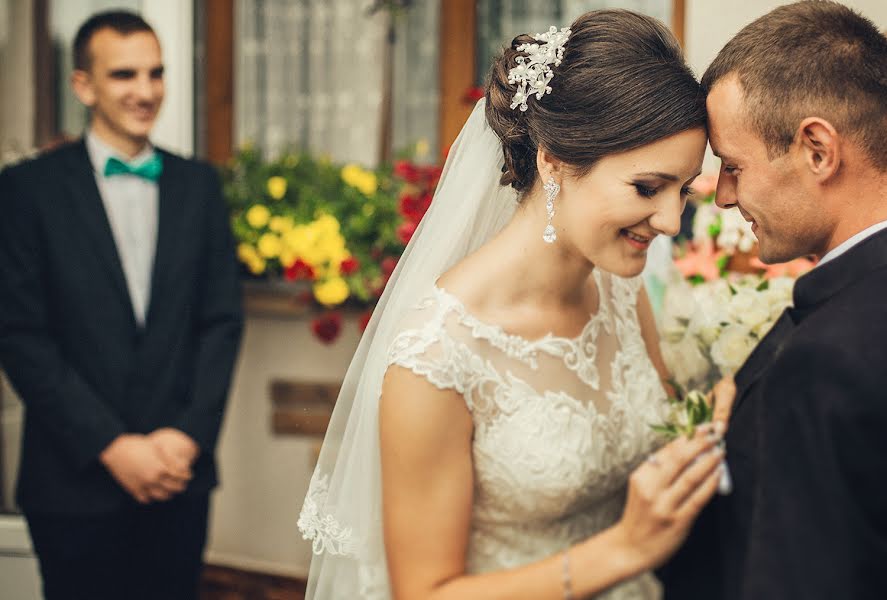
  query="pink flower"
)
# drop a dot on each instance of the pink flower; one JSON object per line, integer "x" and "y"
{"x": 794, "y": 268}
{"x": 705, "y": 185}
{"x": 701, "y": 260}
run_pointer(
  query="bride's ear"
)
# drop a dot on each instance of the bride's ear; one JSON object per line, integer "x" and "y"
{"x": 548, "y": 166}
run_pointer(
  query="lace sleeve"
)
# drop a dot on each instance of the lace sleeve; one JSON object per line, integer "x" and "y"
{"x": 426, "y": 347}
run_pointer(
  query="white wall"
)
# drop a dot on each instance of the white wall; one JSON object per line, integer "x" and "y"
{"x": 265, "y": 477}
{"x": 711, "y": 23}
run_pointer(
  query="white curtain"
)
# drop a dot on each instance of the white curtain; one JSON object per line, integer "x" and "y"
{"x": 309, "y": 76}
{"x": 499, "y": 21}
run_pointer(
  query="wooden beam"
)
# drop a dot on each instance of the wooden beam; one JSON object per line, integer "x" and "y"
{"x": 45, "y": 114}
{"x": 219, "y": 107}
{"x": 679, "y": 20}
{"x": 458, "y": 46}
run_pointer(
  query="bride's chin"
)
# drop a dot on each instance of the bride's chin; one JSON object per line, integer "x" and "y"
{"x": 626, "y": 268}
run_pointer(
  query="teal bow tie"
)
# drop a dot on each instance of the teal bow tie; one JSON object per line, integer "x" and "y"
{"x": 150, "y": 169}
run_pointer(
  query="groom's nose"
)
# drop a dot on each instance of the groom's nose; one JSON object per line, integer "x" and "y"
{"x": 725, "y": 192}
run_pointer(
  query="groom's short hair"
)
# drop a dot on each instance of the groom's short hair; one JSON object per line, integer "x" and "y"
{"x": 812, "y": 58}
{"x": 121, "y": 21}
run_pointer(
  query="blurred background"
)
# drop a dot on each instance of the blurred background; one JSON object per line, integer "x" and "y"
{"x": 308, "y": 107}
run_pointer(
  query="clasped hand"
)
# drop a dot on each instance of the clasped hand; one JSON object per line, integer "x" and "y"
{"x": 152, "y": 467}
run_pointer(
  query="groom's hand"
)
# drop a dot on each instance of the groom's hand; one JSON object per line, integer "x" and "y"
{"x": 176, "y": 446}
{"x": 723, "y": 395}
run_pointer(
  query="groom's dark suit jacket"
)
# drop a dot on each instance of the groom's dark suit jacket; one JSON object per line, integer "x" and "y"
{"x": 71, "y": 346}
{"x": 807, "y": 447}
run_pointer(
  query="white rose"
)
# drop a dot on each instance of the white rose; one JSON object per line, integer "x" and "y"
{"x": 764, "y": 328}
{"x": 732, "y": 348}
{"x": 685, "y": 361}
{"x": 679, "y": 303}
{"x": 749, "y": 307}
{"x": 706, "y": 216}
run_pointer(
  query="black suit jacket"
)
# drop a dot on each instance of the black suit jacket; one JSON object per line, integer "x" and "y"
{"x": 807, "y": 447}
{"x": 69, "y": 342}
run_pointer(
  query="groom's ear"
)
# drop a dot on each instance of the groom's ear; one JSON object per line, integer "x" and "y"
{"x": 820, "y": 147}
{"x": 81, "y": 83}
{"x": 547, "y": 165}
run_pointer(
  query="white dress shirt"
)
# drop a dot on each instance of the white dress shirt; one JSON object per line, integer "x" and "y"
{"x": 131, "y": 204}
{"x": 849, "y": 243}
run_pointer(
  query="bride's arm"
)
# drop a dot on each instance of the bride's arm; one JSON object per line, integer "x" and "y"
{"x": 427, "y": 483}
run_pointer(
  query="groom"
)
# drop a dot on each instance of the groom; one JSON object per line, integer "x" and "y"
{"x": 120, "y": 320}
{"x": 797, "y": 107}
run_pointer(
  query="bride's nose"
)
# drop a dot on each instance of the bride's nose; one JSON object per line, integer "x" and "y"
{"x": 667, "y": 218}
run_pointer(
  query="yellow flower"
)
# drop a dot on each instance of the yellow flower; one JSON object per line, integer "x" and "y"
{"x": 246, "y": 252}
{"x": 331, "y": 292}
{"x": 327, "y": 224}
{"x": 257, "y": 216}
{"x": 359, "y": 178}
{"x": 277, "y": 187}
{"x": 270, "y": 245}
{"x": 287, "y": 258}
{"x": 281, "y": 224}
{"x": 257, "y": 266}
{"x": 291, "y": 160}
{"x": 422, "y": 148}
{"x": 250, "y": 257}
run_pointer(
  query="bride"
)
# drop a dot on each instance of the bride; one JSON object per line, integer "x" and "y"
{"x": 490, "y": 435}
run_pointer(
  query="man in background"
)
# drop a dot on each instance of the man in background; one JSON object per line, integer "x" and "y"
{"x": 120, "y": 320}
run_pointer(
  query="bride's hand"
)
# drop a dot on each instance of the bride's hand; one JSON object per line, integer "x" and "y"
{"x": 665, "y": 494}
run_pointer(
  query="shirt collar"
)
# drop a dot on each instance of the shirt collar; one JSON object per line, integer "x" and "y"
{"x": 100, "y": 152}
{"x": 849, "y": 243}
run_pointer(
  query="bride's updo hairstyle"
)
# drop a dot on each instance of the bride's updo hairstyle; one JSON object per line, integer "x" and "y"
{"x": 622, "y": 84}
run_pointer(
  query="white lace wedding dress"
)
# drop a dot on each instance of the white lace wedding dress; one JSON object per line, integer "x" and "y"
{"x": 558, "y": 423}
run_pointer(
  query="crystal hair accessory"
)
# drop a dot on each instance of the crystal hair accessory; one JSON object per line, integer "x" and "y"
{"x": 533, "y": 71}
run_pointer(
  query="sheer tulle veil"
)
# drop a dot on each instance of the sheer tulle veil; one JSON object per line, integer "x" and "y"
{"x": 342, "y": 513}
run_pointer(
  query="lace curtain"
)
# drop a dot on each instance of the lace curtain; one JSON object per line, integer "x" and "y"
{"x": 498, "y": 21}
{"x": 308, "y": 75}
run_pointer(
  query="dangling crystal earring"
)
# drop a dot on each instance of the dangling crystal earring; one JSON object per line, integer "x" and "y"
{"x": 551, "y": 188}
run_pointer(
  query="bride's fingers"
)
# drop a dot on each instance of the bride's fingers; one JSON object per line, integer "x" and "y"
{"x": 694, "y": 476}
{"x": 670, "y": 462}
{"x": 697, "y": 500}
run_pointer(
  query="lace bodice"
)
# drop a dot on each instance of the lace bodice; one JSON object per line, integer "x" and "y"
{"x": 558, "y": 423}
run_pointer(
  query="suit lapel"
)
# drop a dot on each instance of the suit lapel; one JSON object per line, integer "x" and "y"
{"x": 811, "y": 291}
{"x": 169, "y": 228}
{"x": 91, "y": 211}
{"x": 763, "y": 355}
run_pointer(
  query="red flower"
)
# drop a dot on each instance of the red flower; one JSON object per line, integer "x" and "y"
{"x": 365, "y": 320}
{"x": 405, "y": 231}
{"x": 406, "y": 171}
{"x": 388, "y": 265}
{"x": 299, "y": 270}
{"x": 473, "y": 94}
{"x": 349, "y": 266}
{"x": 414, "y": 207}
{"x": 327, "y": 327}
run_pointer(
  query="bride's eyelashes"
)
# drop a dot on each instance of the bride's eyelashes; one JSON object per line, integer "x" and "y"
{"x": 648, "y": 191}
